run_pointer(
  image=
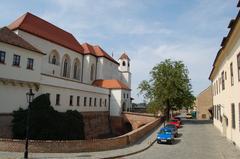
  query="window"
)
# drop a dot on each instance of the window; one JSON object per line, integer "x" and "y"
{"x": 233, "y": 116}
{"x": 231, "y": 72}
{"x": 85, "y": 101}
{"x": 76, "y": 69}
{"x": 57, "y": 99}
{"x": 223, "y": 81}
{"x": 66, "y": 66}
{"x": 16, "y": 60}
{"x": 54, "y": 57}
{"x": 128, "y": 64}
{"x": 71, "y": 101}
{"x": 238, "y": 63}
{"x": 105, "y": 102}
{"x": 225, "y": 75}
{"x": 219, "y": 82}
{"x": 124, "y": 95}
{"x": 92, "y": 72}
{"x": 30, "y": 64}
{"x": 78, "y": 100}
{"x": 2, "y": 56}
{"x": 239, "y": 115}
{"x": 90, "y": 102}
{"x": 100, "y": 102}
{"x": 127, "y": 96}
{"x": 123, "y": 63}
{"x": 95, "y": 102}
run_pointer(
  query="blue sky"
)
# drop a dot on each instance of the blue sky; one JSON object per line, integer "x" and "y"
{"x": 148, "y": 30}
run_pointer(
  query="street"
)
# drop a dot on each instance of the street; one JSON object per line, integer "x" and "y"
{"x": 197, "y": 140}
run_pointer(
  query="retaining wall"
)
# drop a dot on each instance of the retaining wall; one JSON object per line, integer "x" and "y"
{"x": 79, "y": 145}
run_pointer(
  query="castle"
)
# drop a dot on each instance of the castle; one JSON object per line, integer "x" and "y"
{"x": 38, "y": 55}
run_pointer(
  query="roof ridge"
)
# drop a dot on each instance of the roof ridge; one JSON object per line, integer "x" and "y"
{"x": 28, "y": 13}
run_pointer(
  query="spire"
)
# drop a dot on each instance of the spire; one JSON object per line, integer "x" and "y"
{"x": 124, "y": 56}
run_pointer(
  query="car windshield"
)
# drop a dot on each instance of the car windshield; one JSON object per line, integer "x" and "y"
{"x": 168, "y": 132}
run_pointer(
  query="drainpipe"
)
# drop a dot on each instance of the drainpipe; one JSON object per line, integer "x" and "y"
{"x": 109, "y": 120}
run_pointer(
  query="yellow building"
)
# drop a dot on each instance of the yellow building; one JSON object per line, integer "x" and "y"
{"x": 204, "y": 102}
{"x": 225, "y": 77}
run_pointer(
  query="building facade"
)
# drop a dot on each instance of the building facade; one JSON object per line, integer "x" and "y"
{"x": 36, "y": 54}
{"x": 204, "y": 102}
{"x": 225, "y": 78}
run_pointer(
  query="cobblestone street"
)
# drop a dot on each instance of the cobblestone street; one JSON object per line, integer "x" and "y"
{"x": 197, "y": 140}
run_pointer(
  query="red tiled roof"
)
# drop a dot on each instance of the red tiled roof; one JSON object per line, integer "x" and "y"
{"x": 96, "y": 51}
{"x": 41, "y": 28}
{"x": 232, "y": 27}
{"x": 124, "y": 56}
{"x": 110, "y": 84}
{"x": 9, "y": 37}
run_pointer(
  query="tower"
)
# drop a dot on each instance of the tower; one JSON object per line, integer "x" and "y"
{"x": 124, "y": 68}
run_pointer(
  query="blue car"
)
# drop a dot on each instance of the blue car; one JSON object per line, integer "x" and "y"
{"x": 174, "y": 129}
{"x": 165, "y": 135}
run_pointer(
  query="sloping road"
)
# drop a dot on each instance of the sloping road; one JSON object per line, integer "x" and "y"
{"x": 197, "y": 140}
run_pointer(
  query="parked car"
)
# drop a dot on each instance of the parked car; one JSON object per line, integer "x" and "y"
{"x": 188, "y": 116}
{"x": 174, "y": 129}
{"x": 174, "y": 122}
{"x": 179, "y": 119}
{"x": 165, "y": 135}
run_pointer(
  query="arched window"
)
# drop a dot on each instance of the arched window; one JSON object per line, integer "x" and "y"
{"x": 128, "y": 64}
{"x": 123, "y": 63}
{"x": 66, "y": 66}
{"x": 92, "y": 72}
{"x": 76, "y": 69}
{"x": 54, "y": 57}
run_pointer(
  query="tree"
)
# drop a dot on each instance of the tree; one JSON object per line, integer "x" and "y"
{"x": 168, "y": 88}
{"x": 47, "y": 123}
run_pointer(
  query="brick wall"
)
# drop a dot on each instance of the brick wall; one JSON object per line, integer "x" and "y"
{"x": 78, "y": 145}
{"x": 5, "y": 125}
{"x": 95, "y": 124}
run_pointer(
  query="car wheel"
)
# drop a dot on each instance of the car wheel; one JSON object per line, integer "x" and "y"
{"x": 159, "y": 142}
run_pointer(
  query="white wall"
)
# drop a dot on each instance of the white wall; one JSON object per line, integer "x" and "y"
{"x": 47, "y": 47}
{"x": 231, "y": 93}
{"x": 89, "y": 60}
{"x": 107, "y": 69}
{"x": 118, "y": 97}
{"x": 12, "y": 97}
{"x": 65, "y": 94}
{"x": 20, "y": 73}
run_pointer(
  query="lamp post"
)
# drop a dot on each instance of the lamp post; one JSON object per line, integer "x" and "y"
{"x": 30, "y": 96}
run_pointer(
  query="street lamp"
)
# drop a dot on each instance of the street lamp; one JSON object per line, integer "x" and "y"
{"x": 30, "y": 96}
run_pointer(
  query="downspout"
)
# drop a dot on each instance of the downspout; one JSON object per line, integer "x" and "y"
{"x": 109, "y": 120}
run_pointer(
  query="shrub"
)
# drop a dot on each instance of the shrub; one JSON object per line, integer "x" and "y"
{"x": 47, "y": 123}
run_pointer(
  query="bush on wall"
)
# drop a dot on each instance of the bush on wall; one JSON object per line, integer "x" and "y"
{"x": 47, "y": 123}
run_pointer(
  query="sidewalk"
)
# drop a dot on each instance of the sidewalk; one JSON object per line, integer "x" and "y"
{"x": 141, "y": 145}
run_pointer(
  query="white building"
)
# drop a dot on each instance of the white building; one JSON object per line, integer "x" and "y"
{"x": 225, "y": 78}
{"x": 48, "y": 59}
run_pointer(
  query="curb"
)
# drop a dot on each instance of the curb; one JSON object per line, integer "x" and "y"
{"x": 132, "y": 153}
{"x": 135, "y": 152}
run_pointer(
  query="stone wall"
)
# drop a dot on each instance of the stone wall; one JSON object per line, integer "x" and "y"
{"x": 5, "y": 125}
{"x": 95, "y": 124}
{"x": 79, "y": 145}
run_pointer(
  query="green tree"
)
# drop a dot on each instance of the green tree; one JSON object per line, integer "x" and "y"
{"x": 47, "y": 123}
{"x": 168, "y": 88}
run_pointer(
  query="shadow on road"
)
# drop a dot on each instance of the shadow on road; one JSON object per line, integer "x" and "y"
{"x": 179, "y": 135}
{"x": 176, "y": 141}
{"x": 196, "y": 122}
